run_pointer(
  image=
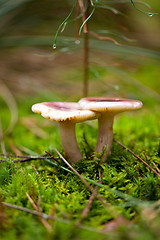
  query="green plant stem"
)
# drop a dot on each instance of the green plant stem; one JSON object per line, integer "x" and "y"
{"x": 88, "y": 16}
{"x": 62, "y": 24}
{"x": 76, "y": 22}
{"x": 148, "y": 13}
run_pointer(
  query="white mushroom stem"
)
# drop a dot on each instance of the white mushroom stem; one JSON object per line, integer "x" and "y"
{"x": 105, "y": 134}
{"x": 69, "y": 141}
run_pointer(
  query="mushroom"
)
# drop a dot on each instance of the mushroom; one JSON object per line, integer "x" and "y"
{"x": 67, "y": 114}
{"x": 108, "y": 107}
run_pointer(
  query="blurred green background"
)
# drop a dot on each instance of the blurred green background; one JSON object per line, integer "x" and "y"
{"x": 29, "y": 65}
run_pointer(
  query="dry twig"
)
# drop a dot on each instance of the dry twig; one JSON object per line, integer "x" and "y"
{"x": 37, "y": 213}
{"x": 46, "y": 216}
{"x": 89, "y": 204}
{"x": 24, "y": 158}
{"x": 43, "y": 221}
{"x": 104, "y": 38}
{"x": 158, "y": 170}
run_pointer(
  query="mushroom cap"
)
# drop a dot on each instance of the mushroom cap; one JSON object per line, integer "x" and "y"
{"x": 64, "y": 111}
{"x": 112, "y": 105}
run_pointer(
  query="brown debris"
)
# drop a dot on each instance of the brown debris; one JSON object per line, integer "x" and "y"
{"x": 115, "y": 224}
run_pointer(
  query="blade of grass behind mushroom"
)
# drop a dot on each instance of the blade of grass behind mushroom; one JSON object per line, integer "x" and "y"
{"x": 2, "y": 142}
{"x": 10, "y": 101}
{"x": 27, "y": 150}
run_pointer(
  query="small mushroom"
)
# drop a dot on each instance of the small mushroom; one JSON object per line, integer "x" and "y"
{"x": 108, "y": 107}
{"x": 67, "y": 114}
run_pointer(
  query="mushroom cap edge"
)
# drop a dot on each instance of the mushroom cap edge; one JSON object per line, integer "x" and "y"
{"x": 64, "y": 112}
{"x": 112, "y": 105}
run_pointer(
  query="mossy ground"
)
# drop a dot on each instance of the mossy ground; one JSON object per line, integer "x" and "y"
{"x": 62, "y": 194}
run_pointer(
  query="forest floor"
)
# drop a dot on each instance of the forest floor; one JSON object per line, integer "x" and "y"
{"x": 42, "y": 197}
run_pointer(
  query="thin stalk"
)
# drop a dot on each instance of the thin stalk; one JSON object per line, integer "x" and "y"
{"x": 86, "y": 57}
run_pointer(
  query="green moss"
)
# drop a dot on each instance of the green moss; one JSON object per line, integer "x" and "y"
{"x": 61, "y": 193}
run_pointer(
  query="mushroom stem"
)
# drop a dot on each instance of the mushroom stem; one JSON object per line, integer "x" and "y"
{"x": 69, "y": 141}
{"x": 105, "y": 134}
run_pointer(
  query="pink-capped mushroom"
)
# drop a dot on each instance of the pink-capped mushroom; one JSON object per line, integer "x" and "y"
{"x": 108, "y": 107}
{"x": 67, "y": 114}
